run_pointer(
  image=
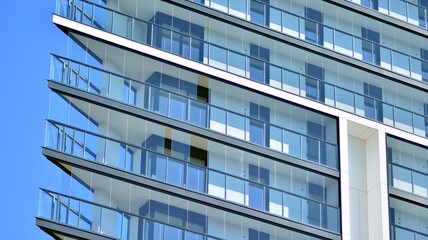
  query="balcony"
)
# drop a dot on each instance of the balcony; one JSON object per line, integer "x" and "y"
{"x": 106, "y": 221}
{"x": 197, "y": 113}
{"x": 398, "y": 233}
{"x": 407, "y": 179}
{"x": 400, "y": 9}
{"x": 239, "y": 64}
{"x": 193, "y": 177}
{"x": 324, "y": 36}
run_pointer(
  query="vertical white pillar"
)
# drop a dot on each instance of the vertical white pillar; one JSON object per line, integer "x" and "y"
{"x": 377, "y": 186}
{"x": 344, "y": 179}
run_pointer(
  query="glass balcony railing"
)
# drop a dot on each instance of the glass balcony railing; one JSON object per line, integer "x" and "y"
{"x": 324, "y": 36}
{"x": 104, "y": 220}
{"x": 240, "y": 64}
{"x": 193, "y": 177}
{"x": 408, "y": 179}
{"x": 399, "y": 233}
{"x": 400, "y": 9}
{"x": 201, "y": 114}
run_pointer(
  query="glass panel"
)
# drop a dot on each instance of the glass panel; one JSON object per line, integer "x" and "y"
{"x": 235, "y": 125}
{"x": 290, "y": 81}
{"x": 236, "y": 63}
{"x": 238, "y": 8}
{"x": 385, "y": 58}
{"x": 274, "y": 18}
{"x": 275, "y": 76}
{"x": 345, "y": 100}
{"x": 218, "y": 57}
{"x": 140, "y": 30}
{"x": 290, "y": 24}
{"x": 217, "y": 119}
{"x": 255, "y": 131}
{"x": 400, "y": 63}
{"x": 178, "y": 107}
{"x": 235, "y": 189}
{"x": 122, "y": 25}
{"x": 328, "y": 37}
{"x": 292, "y": 207}
{"x": 401, "y": 178}
{"x": 403, "y": 119}
{"x": 416, "y": 68}
{"x": 275, "y": 138}
{"x": 196, "y": 178}
{"x": 175, "y": 172}
{"x": 255, "y": 196}
{"x": 420, "y": 184}
{"x": 216, "y": 184}
{"x": 311, "y": 213}
{"x": 157, "y": 166}
{"x": 291, "y": 143}
{"x": 275, "y": 202}
{"x": 343, "y": 43}
{"x": 198, "y": 114}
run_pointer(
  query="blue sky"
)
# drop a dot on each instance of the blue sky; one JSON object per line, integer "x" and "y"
{"x": 27, "y": 38}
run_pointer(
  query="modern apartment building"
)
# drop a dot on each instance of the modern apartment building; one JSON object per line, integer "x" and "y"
{"x": 239, "y": 119}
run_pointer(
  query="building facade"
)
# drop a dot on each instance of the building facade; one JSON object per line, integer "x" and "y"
{"x": 239, "y": 119}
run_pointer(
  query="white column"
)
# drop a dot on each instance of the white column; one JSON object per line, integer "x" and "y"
{"x": 344, "y": 179}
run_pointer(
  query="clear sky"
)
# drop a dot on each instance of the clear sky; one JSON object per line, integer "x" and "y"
{"x": 27, "y": 37}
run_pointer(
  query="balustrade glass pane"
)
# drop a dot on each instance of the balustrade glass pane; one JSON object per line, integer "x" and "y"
{"x": 290, "y": 81}
{"x": 420, "y": 184}
{"x": 235, "y": 189}
{"x": 216, "y": 184}
{"x": 291, "y": 143}
{"x": 290, "y": 24}
{"x": 236, "y": 63}
{"x": 218, "y": 57}
{"x": 176, "y": 172}
{"x": 217, "y": 120}
{"x": 196, "y": 178}
{"x": 403, "y": 119}
{"x": 401, "y": 178}
{"x": 385, "y": 58}
{"x": 345, "y": 100}
{"x": 343, "y": 43}
{"x": 292, "y": 207}
{"x": 198, "y": 114}
{"x": 238, "y": 8}
{"x": 139, "y": 32}
{"x": 235, "y": 125}
{"x": 274, "y": 18}
{"x": 400, "y": 63}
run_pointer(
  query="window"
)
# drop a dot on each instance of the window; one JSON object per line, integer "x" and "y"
{"x": 422, "y": 13}
{"x": 257, "y": 235}
{"x": 259, "y": 133}
{"x": 315, "y": 88}
{"x": 174, "y": 105}
{"x": 258, "y": 194}
{"x": 313, "y": 28}
{"x": 316, "y": 150}
{"x": 370, "y": 46}
{"x": 259, "y": 11}
{"x": 317, "y": 214}
{"x": 373, "y": 4}
{"x": 177, "y": 41}
{"x": 373, "y": 108}
{"x": 259, "y": 72}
